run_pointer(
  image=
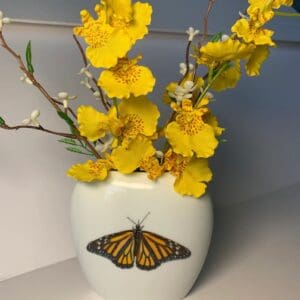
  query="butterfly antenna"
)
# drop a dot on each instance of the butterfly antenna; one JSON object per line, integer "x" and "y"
{"x": 131, "y": 221}
{"x": 145, "y": 217}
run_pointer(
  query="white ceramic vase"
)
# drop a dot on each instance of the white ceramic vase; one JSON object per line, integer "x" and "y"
{"x": 101, "y": 209}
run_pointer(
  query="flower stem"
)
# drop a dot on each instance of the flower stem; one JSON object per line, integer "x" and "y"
{"x": 85, "y": 63}
{"x": 34, "y": 81}
{"x": 221, "y": 69}
{"x": 286, "y": 14}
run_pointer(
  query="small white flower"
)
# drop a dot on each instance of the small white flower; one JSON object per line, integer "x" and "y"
{"x": 183, "y": 68}
{"x": 65, "y": 98}
{"x": 108, "y": 140}
{"x": 225, "y": 37}
{"x": 85, "y": 71}
{"x": 33, "y": 119}
{"x": 192, "y": 33}
{"x": 24, "y": 78}
{"x": 3, "y": 20}
{"x": 159, "y": 154}
{"x": 243, "y": 16}
{"x": 183, "y": 92}
{"x": 86, "y": 83}
{"x": 96, "y": 94}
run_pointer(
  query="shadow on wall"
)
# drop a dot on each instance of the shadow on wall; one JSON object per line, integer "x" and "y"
{"x": 245, "y": 230}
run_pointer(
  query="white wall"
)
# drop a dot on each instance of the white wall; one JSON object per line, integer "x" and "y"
{"x": 261, "y": 155}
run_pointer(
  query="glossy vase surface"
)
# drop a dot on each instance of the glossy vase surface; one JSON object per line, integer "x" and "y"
{"x": 101, "y": 210}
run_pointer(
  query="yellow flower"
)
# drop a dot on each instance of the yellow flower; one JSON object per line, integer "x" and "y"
{"x": 106, "y": 43}
{"x": 92, "y": 123}
{"x": 229, "y": 78}
{"x": 193, "y": 179}
{"x": 152, "y": 166}
{"x": 255, "y": 61}
{"x": 131, "y": 19}
{"x": 127, "y": 78}
{"x": 139, "y": 116}
{"x": 245, "y": 29}
{"x": 127, "y": 158}
{"x": 271, "y": 3}
{"x": 211, "y": 119}
{"x": 191, "y": 174}
{"x": 170, "y": 89}
{"x": 189, "y": 134}
{"x": 90, "y": 171}
{"x": 224, "y": 51}
{"x": 260, "y": 13}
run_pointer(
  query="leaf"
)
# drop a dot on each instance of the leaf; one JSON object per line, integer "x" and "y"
{"x": 76, "y": 150}
{"x": 68, "y": 141}
{"x": 29, "y": 58}
{"x": 217, "y": 37}
{"x": 2, "y": 122}
{"x": 69, "y": 121}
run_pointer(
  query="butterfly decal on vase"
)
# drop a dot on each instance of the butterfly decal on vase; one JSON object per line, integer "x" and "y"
{"x": 145, "y": 249}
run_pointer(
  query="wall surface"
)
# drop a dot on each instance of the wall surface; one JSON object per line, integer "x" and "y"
{"x": 261, "y": 117}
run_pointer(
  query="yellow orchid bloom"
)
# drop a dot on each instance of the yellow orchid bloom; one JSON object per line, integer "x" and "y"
{"x": 224, "y": 51}
{"x": 246, "y": 30}
{"x": 131, "y": 19}
{"x": 192, "y": 174}
{"x": 105, "y": 43}
{"x": 92, "y": 123}
{"x": 127, "y": 78}
{"x": 259, "y": 55}
{"x": 189, "y": 134}
{"x": 229, "y": 78}
{"x": 152, "y": 166}
{"x": 91, "y": 171}
{"x": 139, "y": 116}
{"x": 128, "y": 157}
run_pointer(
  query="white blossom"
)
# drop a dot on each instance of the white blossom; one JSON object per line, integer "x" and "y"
{"x": 33, "y": 119}
{"x": 243, "y": 16}
{"x": 159, "y": 154}
{"x": 24, "y": 78}
{"x": 85, "y": 71}
{"x": 107, "y": 142}
{"x": 192, "y": 33}
{"x": 3, "y": 20}
{"x": 225, "y": 37}
{"x": 86, "y": 83}
{"x": 65, "y": 98}
{"x": 183, "y": 68}
{"x": 183, "y": 92}
{"x": 96, "y": 94}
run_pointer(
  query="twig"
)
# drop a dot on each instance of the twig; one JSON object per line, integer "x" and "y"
{"x": 206, "y": 16}
{"x": 85, "y": 63}
{"x": 187, "y": 61}
{"x": 40, "y": 128}
{"x": 34, "y": 81}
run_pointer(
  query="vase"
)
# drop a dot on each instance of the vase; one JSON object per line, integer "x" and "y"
{"x": 138, "y": 239}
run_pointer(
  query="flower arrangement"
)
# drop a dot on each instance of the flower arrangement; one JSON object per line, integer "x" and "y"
{"x": 122, "y": 136}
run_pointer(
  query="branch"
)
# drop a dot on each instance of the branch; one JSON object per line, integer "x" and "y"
{"x": 85, "y": 63}
{"x": 205, "y": 22}
{"x": 55, "y": 105}
{"x": 40, "y": 128}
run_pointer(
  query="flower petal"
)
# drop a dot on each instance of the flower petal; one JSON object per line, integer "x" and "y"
{"x": 128, "y": 158}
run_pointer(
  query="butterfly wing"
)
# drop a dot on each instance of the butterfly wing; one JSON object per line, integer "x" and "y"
{"x": 154, "y": 250}
{"x": 118, "y": 247}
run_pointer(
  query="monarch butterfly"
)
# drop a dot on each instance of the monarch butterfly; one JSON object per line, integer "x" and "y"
{"x": 146, "y": 249}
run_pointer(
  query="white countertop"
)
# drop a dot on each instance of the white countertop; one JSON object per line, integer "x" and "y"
{"x": 255, "y": 254}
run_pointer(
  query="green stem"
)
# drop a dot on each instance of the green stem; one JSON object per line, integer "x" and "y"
{"x": 219, "y": 72}
{"x": 286, "y": 14}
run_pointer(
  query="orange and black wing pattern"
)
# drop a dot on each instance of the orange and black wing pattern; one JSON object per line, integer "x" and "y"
{"x": 154, "y": 250}
{"x": 118, "y": 247}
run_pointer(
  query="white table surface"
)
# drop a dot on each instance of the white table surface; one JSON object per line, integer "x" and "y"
{"x": 255, "y": 255}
